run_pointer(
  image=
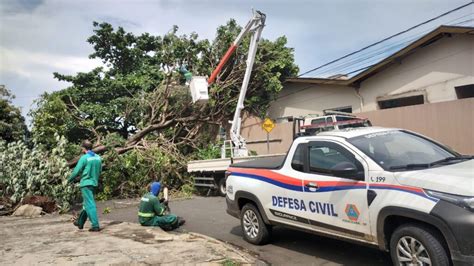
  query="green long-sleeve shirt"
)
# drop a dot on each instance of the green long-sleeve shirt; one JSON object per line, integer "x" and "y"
{"x": 89, "y": 167}
{"x": 150, "y": 206}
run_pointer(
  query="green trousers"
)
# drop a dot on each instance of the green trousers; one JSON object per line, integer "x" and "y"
{"x": 89, "y": 209}
{"x": 166, "y": 222}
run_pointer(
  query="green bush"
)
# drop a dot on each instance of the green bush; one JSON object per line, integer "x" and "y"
{"x": 211, "y": 151}
{"x": 128, "y": 175}
{"x": 32, "y": 171}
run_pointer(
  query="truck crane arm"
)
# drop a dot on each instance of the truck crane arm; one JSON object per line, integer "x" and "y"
{"x": 254, "y": 26}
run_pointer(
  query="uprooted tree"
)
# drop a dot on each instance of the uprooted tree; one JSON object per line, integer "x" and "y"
{"x": 138, "y": 100}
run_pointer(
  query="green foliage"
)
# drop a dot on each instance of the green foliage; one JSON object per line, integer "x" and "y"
{"x": 229, "y": 262}
{"x": 211, "y": 151}
{"x": 107, "y": 210}
{"x": 187, "y": 190}
{"x": 71, "y": 151}
{"x": 128, "y": 175}
{"x": 26, "y": 171}
{"x": 51, "y": 119}
{"x": 134, "y": 89}
{"x": 12, "y": 123}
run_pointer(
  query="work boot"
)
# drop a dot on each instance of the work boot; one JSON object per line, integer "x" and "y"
{"x": 76, "y": 223}
{"x": 94, "y": 229}
{"x": 181, "y": 221}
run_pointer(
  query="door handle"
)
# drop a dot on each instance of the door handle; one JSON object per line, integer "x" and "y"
{"x": 312, "y": 186}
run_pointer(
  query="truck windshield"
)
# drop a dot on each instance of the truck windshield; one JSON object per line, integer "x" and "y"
{"x": 401, "y": 150}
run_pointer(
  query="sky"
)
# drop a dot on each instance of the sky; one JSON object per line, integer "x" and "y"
{"x": 39, "y": 37}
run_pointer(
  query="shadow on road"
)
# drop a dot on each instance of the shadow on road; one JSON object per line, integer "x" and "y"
{"x": 329, "y": 249}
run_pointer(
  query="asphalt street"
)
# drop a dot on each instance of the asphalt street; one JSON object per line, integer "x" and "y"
{"x": 206, "y": 215}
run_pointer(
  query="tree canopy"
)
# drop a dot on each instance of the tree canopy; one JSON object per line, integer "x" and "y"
{"x": 139, "y": 94}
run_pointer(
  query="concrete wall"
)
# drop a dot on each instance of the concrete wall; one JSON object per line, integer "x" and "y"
{"x": 433, "y": 70}
{"x": 451, "y": 123}
{"x": 280, "y": 137}
{"x": 304, "y": 99}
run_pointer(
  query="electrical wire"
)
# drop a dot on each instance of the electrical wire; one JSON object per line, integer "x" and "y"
{"x": 385, "y": 51}
{"x": 386, "y": 39}
{"x": 392, "y": 45}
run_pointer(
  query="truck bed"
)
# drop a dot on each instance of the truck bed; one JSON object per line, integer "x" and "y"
{"x": 270, "y": 161}
{"x": 274, "y": 162}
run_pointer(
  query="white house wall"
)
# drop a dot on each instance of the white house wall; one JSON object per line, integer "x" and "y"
{"x": 435, "y": 70}
{"x": 304, "y": 99}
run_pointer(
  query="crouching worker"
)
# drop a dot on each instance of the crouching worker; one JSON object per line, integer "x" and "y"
{"x": 153, "y": 212}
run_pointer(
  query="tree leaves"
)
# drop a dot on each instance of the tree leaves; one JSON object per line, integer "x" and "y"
{"x": 34, "y": 171}
{"x": 12, "y": 123}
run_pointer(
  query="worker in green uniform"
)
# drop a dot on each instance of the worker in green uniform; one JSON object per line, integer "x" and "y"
{"x": 152, "y": 211}
{"x": 89, "y": 168}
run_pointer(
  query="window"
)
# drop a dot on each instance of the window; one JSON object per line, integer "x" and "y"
{"x": 321, "y": 122}
{"x": 392, "y": 149}
{"x": 345, "y": 109}
{"x": 344, "y": 118}
{"x": 318, "y": 121}
{"x": 298, "y": 163}
{"x": 400, "y": 102}
{"x": 363, "y": 123}
{"x": 327, "y": 158}
{"x": 466, "y": 91}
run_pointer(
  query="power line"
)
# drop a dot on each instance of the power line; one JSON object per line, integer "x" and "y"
{"x": 385, "y": 49}
{"x": 386, "y": 39}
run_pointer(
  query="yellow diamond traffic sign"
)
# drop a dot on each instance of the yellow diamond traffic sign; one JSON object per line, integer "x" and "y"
{"x": 268, "y": 125}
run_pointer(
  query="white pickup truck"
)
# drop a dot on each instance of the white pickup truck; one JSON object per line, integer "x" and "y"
{"x": 390, "y": 188}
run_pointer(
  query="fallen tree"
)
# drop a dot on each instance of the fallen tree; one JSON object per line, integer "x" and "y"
{"x": 139, "y": 98}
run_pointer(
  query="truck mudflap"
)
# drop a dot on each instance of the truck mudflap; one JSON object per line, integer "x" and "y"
{"x": 232, "y": 208}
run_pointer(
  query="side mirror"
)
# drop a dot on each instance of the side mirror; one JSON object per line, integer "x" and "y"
{"x": 345, "y": 169}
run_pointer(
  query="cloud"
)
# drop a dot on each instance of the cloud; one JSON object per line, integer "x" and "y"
{"x": 34, "y": 64}
{"x": 19, "y": 6}
{"x": 38, "y": 37}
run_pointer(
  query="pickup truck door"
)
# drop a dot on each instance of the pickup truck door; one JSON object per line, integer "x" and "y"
{"x": 336, "y": 199}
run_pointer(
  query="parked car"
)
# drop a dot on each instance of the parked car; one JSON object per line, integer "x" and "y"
{"x": 331, "y": 121}
{"x": 391, "y": 188}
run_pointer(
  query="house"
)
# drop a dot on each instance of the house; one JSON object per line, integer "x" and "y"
{"x": 437, "y": 67}
{"x": 427, "y": 87}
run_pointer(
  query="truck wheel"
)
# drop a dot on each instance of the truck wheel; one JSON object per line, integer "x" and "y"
{"x": 221, "y": 187}
{"x": 254, "y": 229}
{"x": 414, "y": 244}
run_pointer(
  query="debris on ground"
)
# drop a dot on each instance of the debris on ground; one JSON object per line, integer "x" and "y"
{"x": 6, "y": 206}
{"x": 28, "y": 210}
{"x": 52, "y": 239}
{"x": 48, "y": 204}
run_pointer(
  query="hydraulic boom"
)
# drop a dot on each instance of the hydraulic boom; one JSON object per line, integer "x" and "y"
{"x": 254, "y": 26}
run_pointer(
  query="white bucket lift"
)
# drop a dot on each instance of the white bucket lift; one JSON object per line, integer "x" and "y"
{"x": 199, "y": 85}
{"x": 199, "y": 89}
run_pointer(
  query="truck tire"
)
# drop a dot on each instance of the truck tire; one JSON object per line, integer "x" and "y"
{"x": 254, "y": 229}
{"x": 221, "y": 187}
{"x": 416, "y": 244}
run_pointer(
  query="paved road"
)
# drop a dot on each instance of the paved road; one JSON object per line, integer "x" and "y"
{"x": 207, "y": 216}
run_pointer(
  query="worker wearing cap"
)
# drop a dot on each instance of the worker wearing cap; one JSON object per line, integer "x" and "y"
{"x": 89, "y": 168}
{"x": 152, "y": 211}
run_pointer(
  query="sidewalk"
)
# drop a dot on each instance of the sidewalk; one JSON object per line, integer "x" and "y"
{"x": 52, "y": 239}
